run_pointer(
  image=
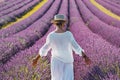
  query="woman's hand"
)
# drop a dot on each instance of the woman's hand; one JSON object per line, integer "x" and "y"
{"x": 87, "y": 61}
{"x": 34, "y": 62}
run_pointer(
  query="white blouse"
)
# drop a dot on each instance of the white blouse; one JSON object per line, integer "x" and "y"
{"x": 62, "y": 45}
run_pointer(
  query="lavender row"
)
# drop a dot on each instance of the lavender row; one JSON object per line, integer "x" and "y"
{"x": 5, "y": 3}
{"x": 108, "y": 32}
{"x": 116, "y": 1}
{"x": 102, "y": 16}
{"x": 111, "y": 76}
{"x": 109, "y": 7}
{"x": 10, "y": 5}
{"x": 15, "y": 28}
{"x": 75, "y": 23}
{"x": 23, "y": 60}
{"x": 113, "y": 4}
{"x": 17, "y": 13}
{"x": 15, "y": 7}
{"x": 26, "y": 38}
{"x": 25, "y": 57}
{"x": 100, "y": 52}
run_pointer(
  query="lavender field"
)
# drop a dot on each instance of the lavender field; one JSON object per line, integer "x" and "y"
{"x": 25, "y": 24}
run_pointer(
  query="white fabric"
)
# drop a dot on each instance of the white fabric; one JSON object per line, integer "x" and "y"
{"x": 61, "y": 70}
{"x": 62, "y": 45}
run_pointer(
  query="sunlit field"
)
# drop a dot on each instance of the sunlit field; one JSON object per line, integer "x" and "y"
{"x": 25, "y": 24}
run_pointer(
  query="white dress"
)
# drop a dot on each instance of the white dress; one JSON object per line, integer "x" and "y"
{"x": 62, "y": 45}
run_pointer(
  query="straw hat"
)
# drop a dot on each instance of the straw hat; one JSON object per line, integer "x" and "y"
{"x": 59, "y": 17}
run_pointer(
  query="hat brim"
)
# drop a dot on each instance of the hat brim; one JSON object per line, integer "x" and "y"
{"x": 55, "y": 21}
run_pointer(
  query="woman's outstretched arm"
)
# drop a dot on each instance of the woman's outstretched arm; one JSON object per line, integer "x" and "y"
{"x": 43, "y": 51}
{"x": 77, "y": 48}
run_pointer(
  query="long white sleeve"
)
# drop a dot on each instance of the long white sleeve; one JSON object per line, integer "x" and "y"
{"x": 75, "y": 46}
{"x": 45, "y": 48}
{"x": 61, "y": 45}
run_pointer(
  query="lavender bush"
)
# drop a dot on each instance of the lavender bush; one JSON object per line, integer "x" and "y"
{"x": 109, "y": 7}
{"x": 17, "y": 13}
{"x": 116, "y": 1}
{"x": 95, "y": 47}
{"x": 27, "y": 37}
{"x": 5, "y": 3}
{"x": 15, "y": 7}
{"x": 102, "y": 16}
{"x": 108, "y": 32}
{"x": 15, "y": 28}
{"x": 10, "y": 5}
{"x": 112, "y": 4}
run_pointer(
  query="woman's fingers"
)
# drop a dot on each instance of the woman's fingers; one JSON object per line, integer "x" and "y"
{"x": 88, "y": 61}
{"x": 34, "y": 62}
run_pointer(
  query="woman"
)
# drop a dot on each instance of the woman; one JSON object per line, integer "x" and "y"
{"x": 62, "y": 43}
